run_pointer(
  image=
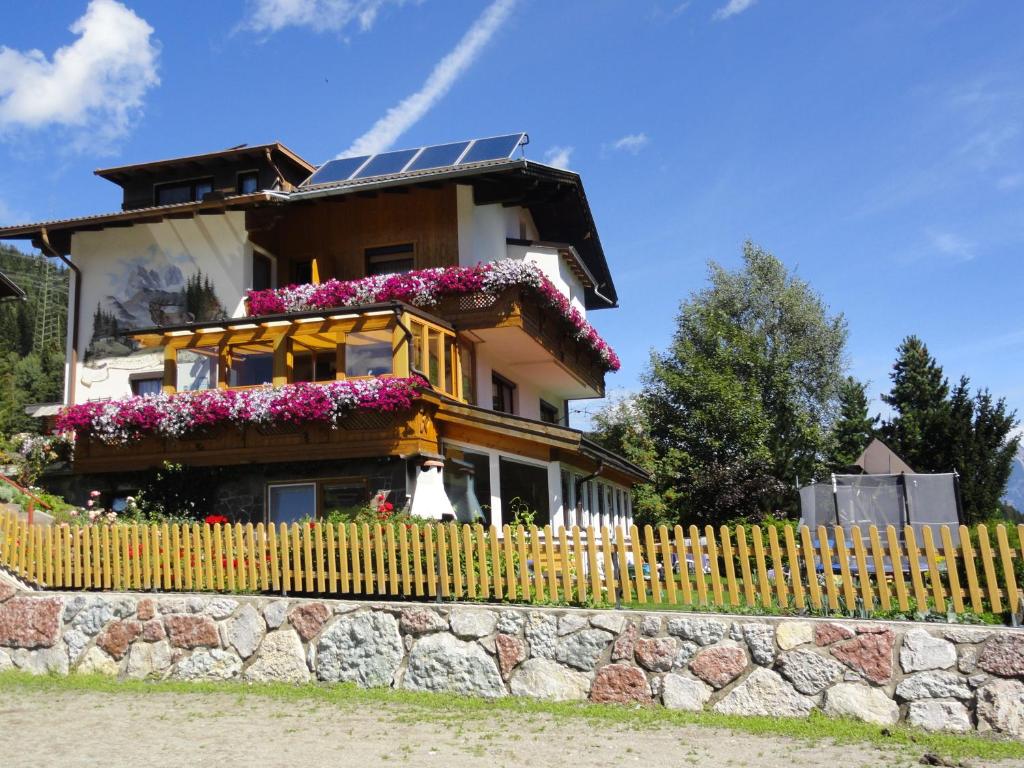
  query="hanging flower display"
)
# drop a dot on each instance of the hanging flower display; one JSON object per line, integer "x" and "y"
{"x": 116, "y": 422}
{"x": 426, "y": 288}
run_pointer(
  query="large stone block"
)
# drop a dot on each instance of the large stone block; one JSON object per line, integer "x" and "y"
{"x": 472, "y": 623}
{"x": 656, "y": 653}
{"x": 96, "y": 662}
{"x": 921, "y": 652}
{"x": 212, "y": 664}
{"x": 701, "y": 631}
{"x": 118, "y": 635}
{"x": 790, "y": 634}
{"x": 421, "y": 621}
{"x": 620, "y": 684}
{"x": 934, "y": 684}
{"x": 280, "y": 658}
{"x": 1001, "y": 707}
{"x": 31, "y": 622}
{"x": 148, "y": 660}
{"x": 870, "y": 654}
{"x": 582, "y": 650}
{"x": 861, "y": 702}
{"x": 1004, "y": 655}
{"x": 546, "y": 679}
{"x": 364, "y": 648}
{"x": 678, "y": 692}
{"x": 510, "y": 651}
{"x": 810, "y": 672}
{"x": 719, "y": 665}
{"x": 308, "y": 618}
{"x": 765, "y": 693}
{"x": 445, "y": 664}
{"x": 761, "y": 642}
{"x": 245, "y": 631}
{"x": 939, "y": 716}
{"x": 192, "y": 631}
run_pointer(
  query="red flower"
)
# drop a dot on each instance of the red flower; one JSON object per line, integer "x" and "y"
{"x": 215, "y": 519}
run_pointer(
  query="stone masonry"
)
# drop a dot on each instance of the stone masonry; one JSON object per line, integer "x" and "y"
{"x": 935, "y": 677}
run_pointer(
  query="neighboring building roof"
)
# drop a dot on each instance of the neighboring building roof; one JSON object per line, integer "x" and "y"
{"x": 119, "y": 173}
{"x": 879, "y": 459}
{"x": 8, "y": 290}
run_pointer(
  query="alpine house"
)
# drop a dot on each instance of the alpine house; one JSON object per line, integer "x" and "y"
{"x": 413, "y": 323}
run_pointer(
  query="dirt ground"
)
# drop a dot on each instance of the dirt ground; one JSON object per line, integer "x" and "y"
{"x": 84, "y": 728}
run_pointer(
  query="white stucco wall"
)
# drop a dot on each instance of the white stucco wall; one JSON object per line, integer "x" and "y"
{"x": 119, "y": 264}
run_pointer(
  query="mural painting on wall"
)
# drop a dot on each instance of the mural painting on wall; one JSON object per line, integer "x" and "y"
{"x": 150, "y": 291}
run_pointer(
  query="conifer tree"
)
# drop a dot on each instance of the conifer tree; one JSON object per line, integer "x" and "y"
{"x": 853, "y": 428}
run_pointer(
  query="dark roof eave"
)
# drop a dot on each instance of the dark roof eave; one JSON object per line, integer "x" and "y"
{"x": 10, "y": 290}
{"x": 112, "y": 173}
{"x": 610, "y": 457}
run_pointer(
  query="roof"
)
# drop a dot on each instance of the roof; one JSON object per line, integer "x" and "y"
{"x": 134, "y": 216}
{"x": 880, "y": 459}
{"x": 8, "y": 289}
{"x": 555, "y": 197}
{"x": 117, "y": 173}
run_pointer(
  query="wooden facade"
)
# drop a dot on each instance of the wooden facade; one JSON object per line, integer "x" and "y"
{"x": 337, "y": 232}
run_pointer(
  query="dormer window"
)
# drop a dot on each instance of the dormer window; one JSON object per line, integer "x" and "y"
{"x": 248, "y": 182}
{"x": 390, "y": 259}
{"x": 182, "y": 191}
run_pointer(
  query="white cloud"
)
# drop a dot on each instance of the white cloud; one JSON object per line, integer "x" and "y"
{"x": 95, "y": 85}
{"x": 404, "y": 115}
{"x": 1010, "y": 181}
{"x": 558, "y": 157}
{"x": 732, "y": 8}
{"x": 951, "y": 245}
{"x": 632, "y": 143}
{"x": 320, "y": 15}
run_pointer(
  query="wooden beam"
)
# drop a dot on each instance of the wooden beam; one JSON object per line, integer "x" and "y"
{"x": 170, "y": 384}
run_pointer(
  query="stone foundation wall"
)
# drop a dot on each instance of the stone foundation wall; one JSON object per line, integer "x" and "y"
{"x": 937, "y": 677}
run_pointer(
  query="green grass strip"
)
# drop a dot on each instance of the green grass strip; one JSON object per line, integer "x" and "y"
{"x": 432, "y": 707}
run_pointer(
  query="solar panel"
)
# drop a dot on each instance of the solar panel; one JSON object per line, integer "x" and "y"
{"x": 336, "y": 170}
{"x": 495, "y": 148}
{"x": 438, "y": 156}
{"x": 388, "y": 162}
{"x": 454, "y": 154}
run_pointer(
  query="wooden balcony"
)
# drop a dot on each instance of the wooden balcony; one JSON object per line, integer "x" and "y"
{"x": 364, "y": 434}
{"x": 518, "y": 308}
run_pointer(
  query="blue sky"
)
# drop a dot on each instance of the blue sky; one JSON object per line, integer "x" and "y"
{"x": 876, "y": 148}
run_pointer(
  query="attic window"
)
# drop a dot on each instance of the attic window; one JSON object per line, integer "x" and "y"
{"x": 248, "y": 182}
{"x": 182, "y": 191}
{"x": 390, "y": 259}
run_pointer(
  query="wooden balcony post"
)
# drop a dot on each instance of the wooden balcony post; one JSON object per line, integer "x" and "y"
{"x": 399, "y": 351}
{"x": 283, "y": 360}
{"x": 170, "y": 383}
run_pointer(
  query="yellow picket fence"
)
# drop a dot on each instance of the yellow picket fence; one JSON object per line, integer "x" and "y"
{"x": 743, "y": 567}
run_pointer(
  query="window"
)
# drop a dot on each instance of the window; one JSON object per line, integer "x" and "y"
{"x": 291, "y": 503}
{"x": 262, "y": 272}
{"x": 368, "y": 353}
{"x": 250, "y": 365}
{"x": 148, "y": 385}
{"x": 311, "y": 363}
{"x": 248, "y": 182}
{"x": 467, "y": 368}
{"x": 389, "y": 259}
{"x": 548, "y": 413}
{"x": 343, "y": 494}
{"x": 467, "y": 481}
{"x": 302, "y": 272}
{"x": 524, "y": 489}
{"x": 197, "y": 368}
{"x": 183, "y": 191}
{"x": 503, "y": 393}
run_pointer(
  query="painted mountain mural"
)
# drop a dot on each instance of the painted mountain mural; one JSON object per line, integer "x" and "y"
{"x": 146, "y": 296}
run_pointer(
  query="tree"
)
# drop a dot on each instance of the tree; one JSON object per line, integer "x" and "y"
{"x": 936, "y": 429}
{"x": 621, "y": 426}
{"x": 918, "y": 431}
{"x": 854, "y": 428}
{"x": 735, "y": 407}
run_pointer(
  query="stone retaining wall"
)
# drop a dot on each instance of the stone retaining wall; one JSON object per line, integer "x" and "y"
{"x": 937, "y": 677}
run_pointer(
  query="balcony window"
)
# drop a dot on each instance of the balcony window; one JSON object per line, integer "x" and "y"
{"x": 197, "y": 368}
{"x": 390, "y": 259}
{"x": 468, "y": 378}
{"x": 314, "y": 362}
{"x": 182, "y": 191}
{"x": 251, "y": 365}
{"x": 503, "y": 394}
{"x": 262, "y": 272}
{"x": 368, "y": 353}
